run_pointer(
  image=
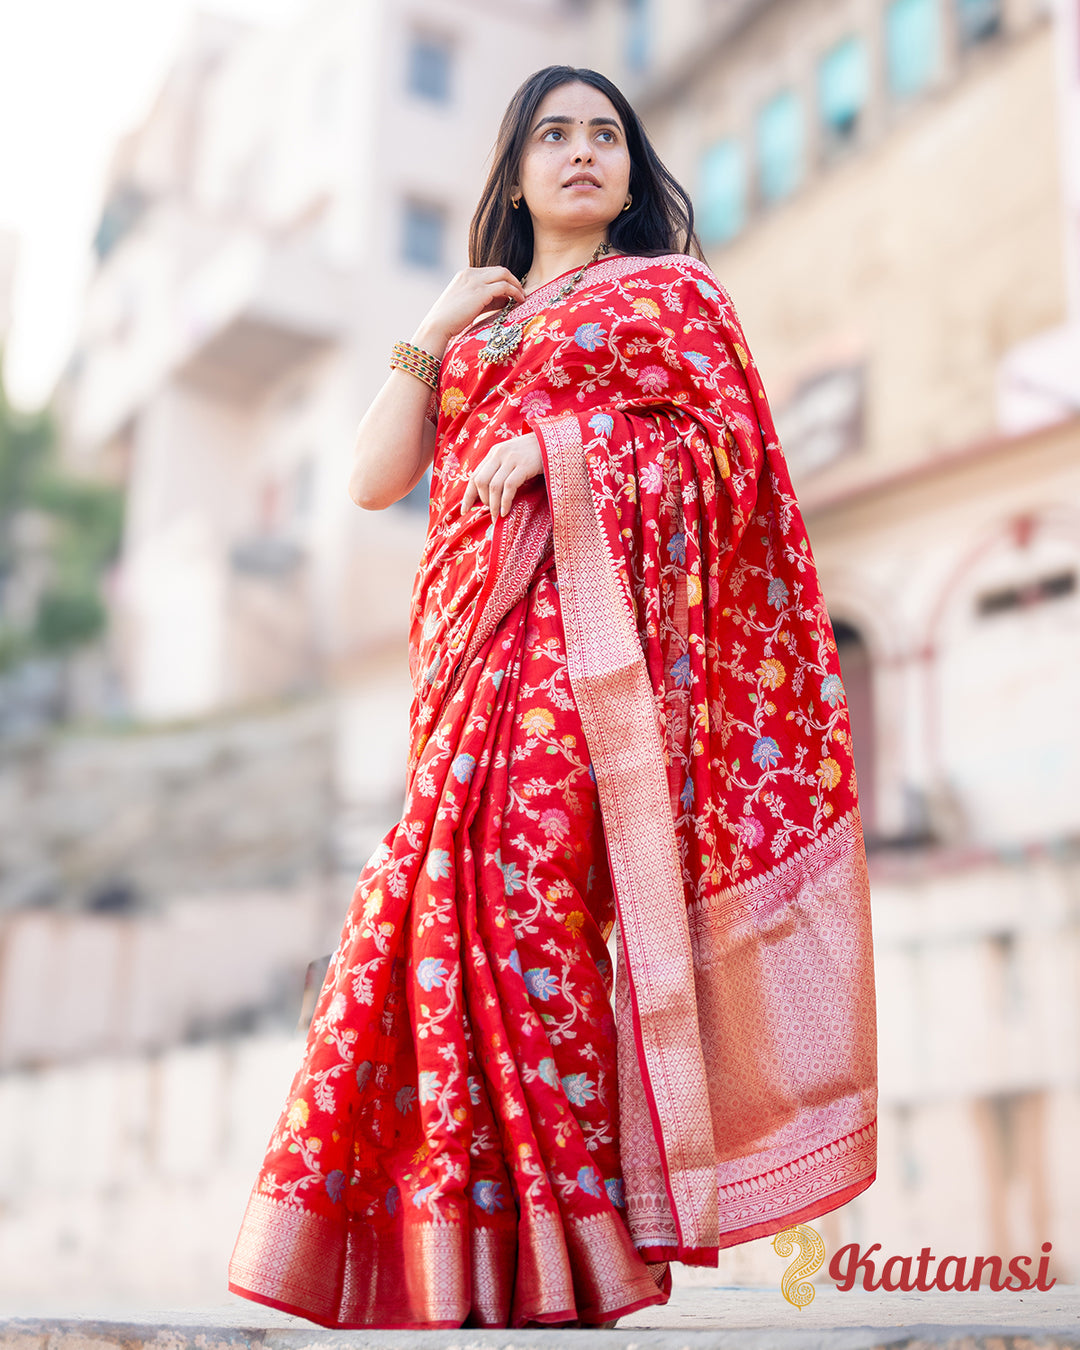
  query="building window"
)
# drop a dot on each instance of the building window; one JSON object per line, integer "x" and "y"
{"x": 1054, "y": 586}
{"x": 977, "y": 20}
{"x": 428, "y": 67}
{"x": 842, "y": 88}
{"x": 423, "y": 232}
{"x": 823, "y": 420}
{"x": 780, "y": 146}
{"x": 913, "y": 43}
{"x": 722, "y": 199}
{"x": 636, "y": 49}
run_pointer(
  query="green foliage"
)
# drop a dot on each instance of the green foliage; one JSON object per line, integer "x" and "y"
{"x": 89, "y": 523}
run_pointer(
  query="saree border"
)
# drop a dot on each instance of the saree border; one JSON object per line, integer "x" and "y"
{"x": 609, "y": 679}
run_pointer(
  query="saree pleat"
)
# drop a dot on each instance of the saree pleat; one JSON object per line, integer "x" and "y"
{"x": 628, "y": 714}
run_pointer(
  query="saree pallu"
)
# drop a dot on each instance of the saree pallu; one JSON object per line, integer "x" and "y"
{"x": 628, "y": 708}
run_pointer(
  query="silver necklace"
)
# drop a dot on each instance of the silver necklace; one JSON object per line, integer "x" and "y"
{"x": 505, "y": 338}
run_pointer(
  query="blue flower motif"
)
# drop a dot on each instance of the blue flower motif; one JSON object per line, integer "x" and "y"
{"x": 541, "y": 983}
{"x": 429, "y": 1085}
{"x": 474, "y": 1090}
{"x": 462, "y": 767}
{"x": 706, "y": 291}
{"x": 513, "y": 877}
{"x": 420, "y": 1198}
{"x": 363, "y": 1073}
{"x": 590, "y": 336}
{"x": 616, "y": 1191}
{"x": 429, "y": 674}
{"x": 766, "y": 752}
{"x": 497, "y": 677}
{"x": 832, "y": 690}
{"x": 390, "y": 1200}
{"x": 335, "y": 1184}
{"x": 778, "y": 592}
{"x": 687, "y": 794}
{"x": 602, "y": 423}
{"x": 588, "y": 1178}
{"x": 486, "y": 1194}
{"x": 431, "y": 972}
{"x": 438, "y": 864}
{"x": 681, "y": 671}
{"x": 699, "y": 360}
{"x": 548, "y": 1072}
{"x": 579, "y": 1088}
{"x": 514, "y": 960}
{"x": 677, "y": 547}
{"x": 405, "y": 1099}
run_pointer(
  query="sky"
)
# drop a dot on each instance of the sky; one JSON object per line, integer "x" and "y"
{"x": 75, "y": 75}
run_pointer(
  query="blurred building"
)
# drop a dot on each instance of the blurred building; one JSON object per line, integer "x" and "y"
{"x": 889, "y": 191}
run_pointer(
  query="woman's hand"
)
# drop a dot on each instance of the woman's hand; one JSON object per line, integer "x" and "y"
{"x": 501, "y": 472}
{"x": 469, "y": 293}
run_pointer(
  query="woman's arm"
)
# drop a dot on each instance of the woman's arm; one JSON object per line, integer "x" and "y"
{"x": 395, "y": 442}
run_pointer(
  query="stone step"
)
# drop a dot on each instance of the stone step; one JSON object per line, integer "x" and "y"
{"x": 700, "y": 1318}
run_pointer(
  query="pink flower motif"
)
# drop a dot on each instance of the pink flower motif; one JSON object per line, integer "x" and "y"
{"x": 555, "y": 823}
{"x": 535, "y": 404}
{"x": 750, "y": 830}
{"x": 653, "y": 378}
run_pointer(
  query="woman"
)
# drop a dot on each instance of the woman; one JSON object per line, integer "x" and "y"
{"x": 628, "y": 708}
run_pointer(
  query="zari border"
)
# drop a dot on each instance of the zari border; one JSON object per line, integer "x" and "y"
{"x": 610, "y": 682}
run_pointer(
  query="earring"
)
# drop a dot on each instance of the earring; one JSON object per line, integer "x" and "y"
{"x": 515, "y": 202}
{"x": 628, "y": 201}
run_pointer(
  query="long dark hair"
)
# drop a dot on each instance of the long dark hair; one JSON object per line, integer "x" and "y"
{"x": 661, "y": 215}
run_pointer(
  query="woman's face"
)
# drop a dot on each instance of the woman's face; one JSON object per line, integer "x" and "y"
{"x": 576, "y": 135}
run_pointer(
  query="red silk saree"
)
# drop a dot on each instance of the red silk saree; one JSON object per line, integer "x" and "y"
{"x": 628, "y": 716}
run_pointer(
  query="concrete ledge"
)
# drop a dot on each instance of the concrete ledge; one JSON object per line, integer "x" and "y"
{"x": 707, "y": 1318}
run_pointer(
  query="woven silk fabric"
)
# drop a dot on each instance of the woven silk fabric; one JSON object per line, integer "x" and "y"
{"x": 628, "y": 709}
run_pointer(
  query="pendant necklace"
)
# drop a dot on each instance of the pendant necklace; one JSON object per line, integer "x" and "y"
{"x": 505, "y": 338}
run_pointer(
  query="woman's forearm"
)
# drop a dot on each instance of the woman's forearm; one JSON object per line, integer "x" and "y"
{"x": 395, "y": 442}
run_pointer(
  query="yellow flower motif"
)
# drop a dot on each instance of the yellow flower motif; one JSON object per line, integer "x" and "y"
{"x": 460, "y": 1113}
{"x": 720, "y": 455}
{"x": 538, "y": 720}
{"x": 386, "y": 928}
{"x": 575, "y": 921}
{"x": 298, "y": 1114}
{"x": 829, "y": 773}
{"x": 644, "y": 305}
{"x": 699, "y": 749}
{"x": 772, "y": 673}
{"x": 452, "y": 402}
{"x": 693, "y": 589}
{"x": 740, "y": 352}
{"x": 314, "y": 1143}
{"x": 569, "y": 740}
{"x": 537, "y": 321}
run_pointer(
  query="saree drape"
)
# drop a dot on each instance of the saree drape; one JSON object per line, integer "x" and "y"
{"x": 628, "y": 709}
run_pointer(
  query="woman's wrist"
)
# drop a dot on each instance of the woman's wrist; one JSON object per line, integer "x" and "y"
{"x": 431, "y": 339}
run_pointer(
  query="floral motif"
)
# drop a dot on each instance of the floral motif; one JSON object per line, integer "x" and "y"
{"x": 590, "y": 336}
{"x": 462, "y": 767}
{"x": 766, "y": 752}
{"x": 579, "y": 1088}
{"x": 541, "y": 983}
{"x": 431, "y": 973}
{"x": 653, "y": 379}
{"x": 452, "y": 401}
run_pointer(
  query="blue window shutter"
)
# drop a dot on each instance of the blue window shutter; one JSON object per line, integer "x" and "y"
{"x": 722, "y": 199}
{"x": 780, "y": 145}
{"x": 842, "y": 85}
{"x": 912, "y": 44}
